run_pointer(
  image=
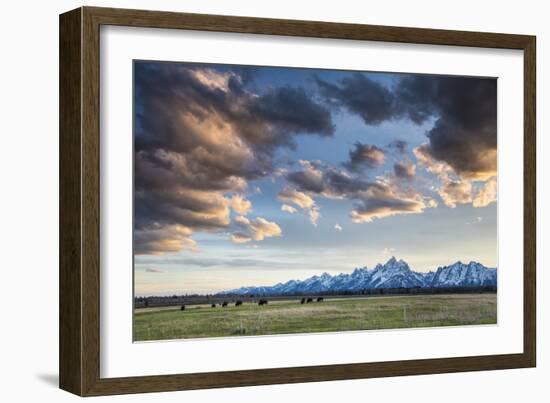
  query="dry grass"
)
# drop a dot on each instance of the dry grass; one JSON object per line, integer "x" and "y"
{"x": 287, "y": 317}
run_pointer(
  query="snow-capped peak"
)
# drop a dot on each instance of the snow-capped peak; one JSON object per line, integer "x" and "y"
{"x": 393, "y": 274}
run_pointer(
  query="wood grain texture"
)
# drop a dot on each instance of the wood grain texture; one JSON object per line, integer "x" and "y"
{"x": 316, "y": 29}
{"x": 80, "y": 201}
{"x": 90, "y": 202}
{"x": 70, "y": 273}
{"x": 530, "y": 203}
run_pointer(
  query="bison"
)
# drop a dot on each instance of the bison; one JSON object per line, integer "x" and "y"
{"x": 309, "y": 300}
{"x": 182, "y": 308}
{"x": 262, "y": 302}
{"x": 320, "y": 299}
{"x": 303, "y": 301}
{"x": 224, "y": 304}
{"x": 213, "y": 305}
{"x": 238, "y": 303}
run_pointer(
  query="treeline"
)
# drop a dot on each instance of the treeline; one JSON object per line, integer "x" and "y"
{"x": 385, "y": 291}
{"x": 429, "y": 290}
{"x": 190, "y": 299}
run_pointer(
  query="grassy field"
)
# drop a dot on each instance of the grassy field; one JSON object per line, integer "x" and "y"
{"x": 284, "y": 317}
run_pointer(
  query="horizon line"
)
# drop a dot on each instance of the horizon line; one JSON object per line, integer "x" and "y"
{"x": 319, "y": 275}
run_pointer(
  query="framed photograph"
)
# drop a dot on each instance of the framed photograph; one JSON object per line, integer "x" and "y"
{"x": 249, "y": 201}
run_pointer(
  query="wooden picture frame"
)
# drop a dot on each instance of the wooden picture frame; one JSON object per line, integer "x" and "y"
{"x": 80, "y": 199}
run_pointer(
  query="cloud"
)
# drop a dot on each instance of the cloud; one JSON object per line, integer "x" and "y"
{"x": 301, "y": 200}
{"x": 463, "y": 111}
{"x": 240, "y": 205}
{"x": 377, "y": 199}
{"x": 292, "y": 110}
{"x": 487, "y": 194}
{"x": 464, "y": 132}
{"x": 425, "y": 158}
{"x": 200, "y": 136}
{"x": 404, "y": 169}
{"x": 288, "y": 209}
{"x": 373, "y": 102}
{"x": 365, "y": 155}
{"x": 310, "y": 178}
{"x": 212, "y": 79}
{"x": 388, "y": 251}
{"x": 456, "y": 192}
{"x": 314, "y": 215}
{"x": 182, "y": 207}
{"x": 201, "y": 260}
{"x": 399, "y": 145}
{"x": 385, "y": 199}
{"x": 254, "y": 229}
{"x": 455, "y": 189}
{"x": 474, "y": 221}
{"x": 157, "y": 239}
{"x": 239, "y": 237}
{"x": 328, "y": 181}
{"x": 153, "y": 270}
{"x": 338, "y": 227}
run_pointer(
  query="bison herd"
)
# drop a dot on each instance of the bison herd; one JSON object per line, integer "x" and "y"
{"x": 304, "y": 300}
{"x": 225, "y": 304}
{"x": 309, "y": 300}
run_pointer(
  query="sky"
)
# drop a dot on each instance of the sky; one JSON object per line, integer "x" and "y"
{"x": 247, "y": 175}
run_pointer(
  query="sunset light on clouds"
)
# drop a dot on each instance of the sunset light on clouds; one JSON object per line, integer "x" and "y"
{"x": 254, "y": 175}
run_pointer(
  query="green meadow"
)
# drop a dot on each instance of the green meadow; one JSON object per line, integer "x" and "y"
{"x": 331, "y": 315}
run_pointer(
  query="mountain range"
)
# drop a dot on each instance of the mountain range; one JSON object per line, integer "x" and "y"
{"x": 393, "y": 274}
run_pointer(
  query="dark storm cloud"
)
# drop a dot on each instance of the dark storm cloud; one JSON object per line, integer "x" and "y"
{"x": 362, "y": 95}
{"x": 165, "y": 92}
{"x": 463, "y": 110}
{"x": 200, "y": 136}
{"x": 243, "y": 75}
{"x": 292, "y": 110}
{"x": 365, "y": 155}
{"x": 464, "y": 133}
